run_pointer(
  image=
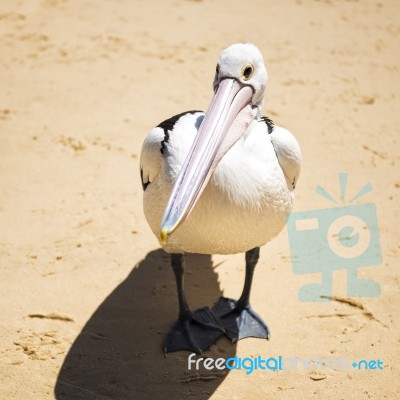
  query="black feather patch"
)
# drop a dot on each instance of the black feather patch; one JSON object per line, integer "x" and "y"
{"x": 169, "y": 124}
{"x": 269, "y": 123}
{"x": 144, "y": 184}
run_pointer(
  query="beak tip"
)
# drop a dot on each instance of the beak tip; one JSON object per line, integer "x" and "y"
{"x": 163, "y": 236}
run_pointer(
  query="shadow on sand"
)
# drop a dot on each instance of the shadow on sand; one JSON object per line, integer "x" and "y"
{"x": 118, "y": 354}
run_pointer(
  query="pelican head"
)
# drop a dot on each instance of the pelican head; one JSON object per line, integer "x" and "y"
{"x": 239, "y": 85}
{"x": 244, "y": 63}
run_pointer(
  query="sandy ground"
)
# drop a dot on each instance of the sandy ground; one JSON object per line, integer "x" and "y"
{"x": 86, "y": 293}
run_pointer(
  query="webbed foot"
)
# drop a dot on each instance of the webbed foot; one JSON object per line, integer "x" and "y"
{"x": 240, "y": 321}
{"x": 195, "y": 331}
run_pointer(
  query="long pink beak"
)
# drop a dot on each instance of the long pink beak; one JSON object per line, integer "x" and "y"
{"x": 227, "y": 118}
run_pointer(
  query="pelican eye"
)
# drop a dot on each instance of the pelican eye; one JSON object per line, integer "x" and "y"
{"x": 217, "y": 69}
{"x": 247, "y": 71}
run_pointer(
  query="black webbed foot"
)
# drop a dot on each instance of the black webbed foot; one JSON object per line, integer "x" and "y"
{"x": 195, "y": 331}
{"x": 240, "y": 321}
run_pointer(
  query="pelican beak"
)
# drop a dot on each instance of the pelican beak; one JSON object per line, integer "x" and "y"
{"x": 227, "y": 118}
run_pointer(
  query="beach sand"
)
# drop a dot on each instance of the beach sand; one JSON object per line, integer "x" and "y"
{"x": 87, "y": 294}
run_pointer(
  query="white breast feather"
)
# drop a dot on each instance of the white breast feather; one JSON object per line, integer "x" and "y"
{"x": 247, "y": 200}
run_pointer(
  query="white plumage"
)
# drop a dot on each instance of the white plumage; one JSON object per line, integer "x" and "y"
{"x": 247, "y": 199}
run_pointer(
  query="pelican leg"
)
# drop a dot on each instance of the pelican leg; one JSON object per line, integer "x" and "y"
{"x": 239, "y": 319}
{"x": 194, "y": 330}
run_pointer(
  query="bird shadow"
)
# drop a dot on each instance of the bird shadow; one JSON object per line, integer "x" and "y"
{"x": 118, "y": 354}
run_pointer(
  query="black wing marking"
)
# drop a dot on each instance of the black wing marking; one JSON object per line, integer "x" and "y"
{"x": 144, "y": 184}
{"x": 269, "y": 123}
{"x": 169, "y": 124}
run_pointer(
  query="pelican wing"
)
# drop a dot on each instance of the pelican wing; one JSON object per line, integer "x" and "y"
{"x": 154, "y": 146}
{"x": 288, "y": 153}
{"x": 151, "y": 156}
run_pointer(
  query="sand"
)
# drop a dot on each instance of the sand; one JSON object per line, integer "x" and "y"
{"x": 86, "y": 293}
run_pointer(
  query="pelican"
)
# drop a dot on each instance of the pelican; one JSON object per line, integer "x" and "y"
{"x": 220, "y": 182}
